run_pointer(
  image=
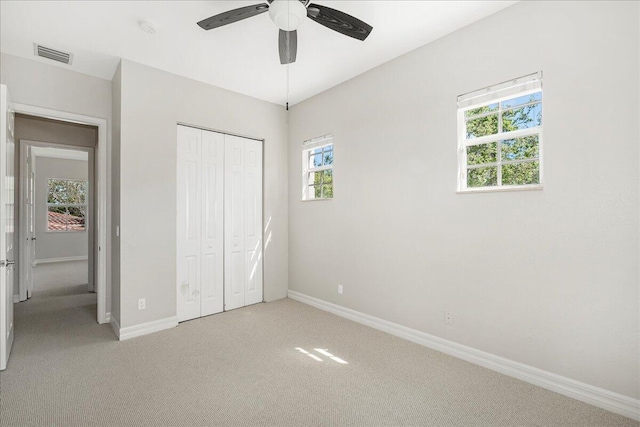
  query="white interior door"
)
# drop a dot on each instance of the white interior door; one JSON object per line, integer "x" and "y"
{"x": 243, "y": 222}
{"x": 189, "y": 218}
{"x": 253, "y": 221}
{"x": 31, "y": 228}
{"x": 234, "y": 264}
{"x": 200, "y": 286}
{"x": 7, "y": 223}
{"x": 212, "y": 296}
{"x": 27, "y": 225}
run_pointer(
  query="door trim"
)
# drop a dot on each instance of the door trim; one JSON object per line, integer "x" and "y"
{"x": 224, "y": 132}
{"x": 103, "y": 178}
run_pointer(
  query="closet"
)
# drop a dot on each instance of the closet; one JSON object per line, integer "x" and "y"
{"x": 219, "y": 222}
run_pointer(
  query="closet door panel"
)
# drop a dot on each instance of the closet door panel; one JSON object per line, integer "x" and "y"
{"x": 188, "y": 239}
{"x": 219, "y": 222}
{"x": 213, "y": 226}
{"x": 253, "y": 221}
{"x": 234, "y": 225}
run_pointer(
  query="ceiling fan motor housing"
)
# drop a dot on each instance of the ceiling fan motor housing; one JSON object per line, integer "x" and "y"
{"x": 287, "y": 14}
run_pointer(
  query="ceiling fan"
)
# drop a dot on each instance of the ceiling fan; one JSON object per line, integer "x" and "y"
{"x": 288, "y": 15}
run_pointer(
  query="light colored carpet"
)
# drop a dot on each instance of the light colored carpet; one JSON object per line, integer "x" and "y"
{"x": 58, "y": 275}
{"x": 242, "y": 368}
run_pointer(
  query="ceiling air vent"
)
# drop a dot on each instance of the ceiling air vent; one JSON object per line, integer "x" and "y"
{"x": 55, "y": 55}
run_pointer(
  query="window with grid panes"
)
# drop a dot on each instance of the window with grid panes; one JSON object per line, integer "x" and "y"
{"x": 66, "y": 205}
{"x": 317, "y": 159}
{"x": 500, "y": 136}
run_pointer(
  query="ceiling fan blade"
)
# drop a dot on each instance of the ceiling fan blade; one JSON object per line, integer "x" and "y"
{"x": 339, "y": 21}
{"x": 232, "y": 16}
{"x": 288, "y": 46}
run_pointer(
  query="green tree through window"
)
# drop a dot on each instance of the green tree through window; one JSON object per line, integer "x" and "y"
{"x": 318, "y": 166}
{"x": 502, "y": 160}
{"x": 66, "y": 205}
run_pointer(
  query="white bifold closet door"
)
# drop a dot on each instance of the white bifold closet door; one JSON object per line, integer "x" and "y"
{"x": 219, "y": 198}
{"x": 243, "y": 222}
{"x": 200, "y": 244}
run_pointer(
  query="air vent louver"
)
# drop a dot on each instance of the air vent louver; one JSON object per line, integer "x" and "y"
{"x": 54, "y": 55}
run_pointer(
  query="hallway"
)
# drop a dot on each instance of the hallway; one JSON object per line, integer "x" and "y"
{"x": 52, "y": 315}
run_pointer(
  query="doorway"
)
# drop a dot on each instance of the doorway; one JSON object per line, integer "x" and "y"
{"x": 99, "y": 222}
{"x": 56, "y": 207}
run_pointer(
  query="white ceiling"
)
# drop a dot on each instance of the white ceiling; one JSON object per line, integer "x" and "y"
{"x": 242, "y": 57}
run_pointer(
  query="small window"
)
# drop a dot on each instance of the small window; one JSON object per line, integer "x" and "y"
{"x": 500, "y": 136}
{"x": 66, "y": 205}
{"x": 317, "y": 168}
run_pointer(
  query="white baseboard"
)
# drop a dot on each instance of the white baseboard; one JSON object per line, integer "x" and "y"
{"x": 54, "y": 260}
{"x": 115, "y": 325}
{"x": 16, "y": 298}
{"x": 596, "y": 396}
{"x": 146, "y": 328}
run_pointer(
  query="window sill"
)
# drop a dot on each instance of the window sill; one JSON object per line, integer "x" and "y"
{"x": 316, "y": 200}
{"x": 536, "y": 187}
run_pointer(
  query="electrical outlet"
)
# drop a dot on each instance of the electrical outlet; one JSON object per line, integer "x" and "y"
{"x": 142, "y": 304}
{"x": 117, "y": 231}
{"x": 340, "y": 289}
{"x": 448, "y": 318}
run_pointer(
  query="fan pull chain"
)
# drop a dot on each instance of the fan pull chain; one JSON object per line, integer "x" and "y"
{"x": 287, "y": 87}
{"x": 288, "y": 64}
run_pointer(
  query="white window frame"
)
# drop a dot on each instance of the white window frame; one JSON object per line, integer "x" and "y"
{"x": 69, "y": 205}
{"x": 516, "y": 88}
{"x": 309, "y": 146}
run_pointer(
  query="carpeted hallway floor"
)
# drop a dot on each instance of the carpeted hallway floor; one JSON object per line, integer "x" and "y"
{"x": 247, "y": 367}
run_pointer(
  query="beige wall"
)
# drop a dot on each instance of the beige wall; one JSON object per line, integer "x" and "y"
{"x": 55, "y": 132}
{"x": 547, "y": 278}
{"x": 47, "y": 86}
{"x": 153, "y": 103}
